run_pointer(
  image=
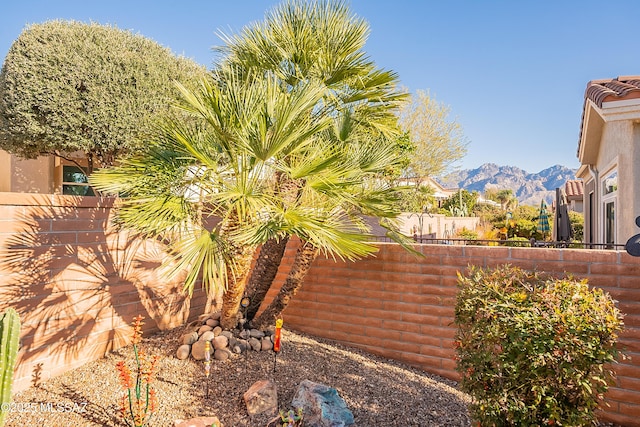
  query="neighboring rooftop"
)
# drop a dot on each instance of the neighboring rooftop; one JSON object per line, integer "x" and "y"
{"x": 574, "y": 189}
{"x": 623, "y": 87}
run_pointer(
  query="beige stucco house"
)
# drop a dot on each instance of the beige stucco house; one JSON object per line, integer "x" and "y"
{"x": 609, "y": 154}
{"x": 46, "y": 174}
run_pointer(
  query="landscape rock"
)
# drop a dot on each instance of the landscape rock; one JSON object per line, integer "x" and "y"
{"x": 255, "y": 333}
{"x": 255, "y": 344}
{"x": 199, "y": 422}
{"x": 262, "y": 397}
{"x": 222, "y": 354}
{"x": 217, "y": 330}
{"x": 322, "y": 406}
{"x": 183, "y": 351}
{"x": 203, "y": 329}
{"x": 220, "y": 342}
{"x": 206, "y": 336}
{"x": 197, "y": 350}
{"x": 190, "y": 338}
{"x": 243, "y": 344}
{"x": 212, "y": 322}
{"x": 266, "y": 344}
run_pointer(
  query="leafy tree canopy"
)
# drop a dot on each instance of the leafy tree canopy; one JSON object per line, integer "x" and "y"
{"x": 438, "y": 142}
{"x": 461, "y": 203}
{"x": 68, "y": 87}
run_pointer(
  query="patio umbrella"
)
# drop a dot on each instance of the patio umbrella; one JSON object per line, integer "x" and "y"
{"x": 543, "y": 220}
{"x": 562, "y": 224}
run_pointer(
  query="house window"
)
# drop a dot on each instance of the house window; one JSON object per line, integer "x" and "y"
{"x": 609, "y": 197}
{"x": 75, "y": 182}
{"x": 609, "y": 224}
{"x": 610, "y": 183}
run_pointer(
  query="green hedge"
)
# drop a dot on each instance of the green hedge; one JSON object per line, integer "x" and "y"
{"x": 532, "y": 350}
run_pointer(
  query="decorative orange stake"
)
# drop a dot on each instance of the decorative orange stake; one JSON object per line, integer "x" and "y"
{"x": 276, "y": 342}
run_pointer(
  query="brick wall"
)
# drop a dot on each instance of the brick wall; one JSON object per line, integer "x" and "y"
{"x": 78, "y": 283}
{"x": 402, "y": 307}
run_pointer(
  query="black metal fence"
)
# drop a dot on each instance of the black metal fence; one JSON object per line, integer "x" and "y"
{"x": 511, "y": 243}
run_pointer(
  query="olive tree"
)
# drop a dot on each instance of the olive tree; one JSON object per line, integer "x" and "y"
{"x": 69, "y": 87}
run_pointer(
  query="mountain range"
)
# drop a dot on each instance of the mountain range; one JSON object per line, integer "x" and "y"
{"x": 529, "y": 188}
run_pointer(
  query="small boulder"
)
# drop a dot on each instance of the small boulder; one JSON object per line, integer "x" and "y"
{"x": 222, "y": 354}
{"x": 183, "y": 351}
{"x": 321, "y": 406}
{"x": 203, "y": 329}
{"x": 227, "y": 334}
{"x": 190, "y": 338}
{"x": 217, "y": 330}
{"x": 220, "y": 342}
{"x": 233, "y": 341}
{"x": 262, "y": 397}
{"x": 255, "y": 344}
{"x": 216, "y": 315}
{"x": 255, "y": 333}
{"x": 206, "y": 336}
{"x": 243, "y": 344}
{"x": 266, "y": 344}
{"x": 212, "y": 322}
{"x": 198, "y": 349}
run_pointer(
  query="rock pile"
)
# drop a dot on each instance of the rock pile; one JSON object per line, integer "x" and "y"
{"x": 224, "y": 343}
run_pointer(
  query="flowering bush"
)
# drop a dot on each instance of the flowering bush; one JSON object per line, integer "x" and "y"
{"x": 532, "y": 350}
{"x": 138, "y": 401}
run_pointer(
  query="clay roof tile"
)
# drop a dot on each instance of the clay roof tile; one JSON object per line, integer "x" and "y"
{"x": 573, "y": 189}
{"x": 600, "y": 91}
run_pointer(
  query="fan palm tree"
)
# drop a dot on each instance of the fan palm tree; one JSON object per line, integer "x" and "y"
{"x": 322, "y": 40}
{"x": 285, "y": 143}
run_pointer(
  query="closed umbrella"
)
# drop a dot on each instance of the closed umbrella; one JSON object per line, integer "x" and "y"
{"x": 543, "y": 220}
{"x": 562, "y": 231}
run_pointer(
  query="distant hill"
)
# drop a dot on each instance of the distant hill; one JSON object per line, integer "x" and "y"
{"x": 529, "y": 188}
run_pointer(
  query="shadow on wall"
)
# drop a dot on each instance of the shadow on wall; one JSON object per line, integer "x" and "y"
{"x": 77, "y": 282}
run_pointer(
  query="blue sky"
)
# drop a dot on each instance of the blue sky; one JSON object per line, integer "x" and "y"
{"x": 512, "y": 72}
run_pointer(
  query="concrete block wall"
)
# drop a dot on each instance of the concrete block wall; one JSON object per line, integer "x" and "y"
{"x": 402, "y": 307}
{"x": 77, "y": 283}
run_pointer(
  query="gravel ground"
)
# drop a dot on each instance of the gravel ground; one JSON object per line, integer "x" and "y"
{"x": 379, "y": 392}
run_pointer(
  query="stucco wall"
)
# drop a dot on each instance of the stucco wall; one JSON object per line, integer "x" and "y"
{"x": 402, "y": 307}
{"x": 78, "y": 283}
{"x": 618, "y": 148}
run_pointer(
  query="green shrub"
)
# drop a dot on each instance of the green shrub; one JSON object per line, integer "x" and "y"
{"x": 532, "y": 349}
{"x": 467, "y": 234}
{"x": 517, "y": 242}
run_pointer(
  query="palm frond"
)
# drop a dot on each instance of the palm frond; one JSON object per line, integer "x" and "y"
{"x": 200, "y": 253}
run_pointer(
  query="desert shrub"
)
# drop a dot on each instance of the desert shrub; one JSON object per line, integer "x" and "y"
{"x": 532, "y": 349}
{"x": 467, "y": 234}
{"x": 517, "y": 242}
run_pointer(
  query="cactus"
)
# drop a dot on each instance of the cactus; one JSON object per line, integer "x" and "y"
{"x": 9, "y": 336}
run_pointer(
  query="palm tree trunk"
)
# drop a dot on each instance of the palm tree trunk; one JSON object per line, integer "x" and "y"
{"x": 305, "y": 256}
{"x": 237, "y": 279}
{"x": 264, "y": 272}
